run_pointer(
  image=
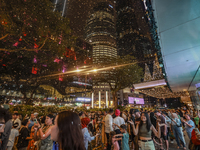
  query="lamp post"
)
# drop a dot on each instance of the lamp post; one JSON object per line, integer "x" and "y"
{"x": 99, "y": 99}
{"x": 92, "y": 99}
{"x": 106, "y": 99}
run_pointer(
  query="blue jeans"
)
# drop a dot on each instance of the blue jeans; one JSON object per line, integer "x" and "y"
{"x": 178, "y": 135}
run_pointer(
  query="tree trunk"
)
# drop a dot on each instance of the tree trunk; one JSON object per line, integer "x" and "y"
{"x": 29, "y": 101}
{"x": 115, "y": 99}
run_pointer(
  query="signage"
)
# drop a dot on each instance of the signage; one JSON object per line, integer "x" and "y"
{"x": 197, "y": 85}
{"x": 83, "y": 99}
{"x": 137, "y": 100}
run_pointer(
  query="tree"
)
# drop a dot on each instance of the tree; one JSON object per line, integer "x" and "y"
{"x": 33, "y": 39}
{"x": 119, "y": 73}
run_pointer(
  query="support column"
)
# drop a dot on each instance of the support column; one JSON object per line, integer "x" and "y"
{"x": 99, "y": 99}
{"x": 106, "y": 99}
{"x": 92, "y": 100}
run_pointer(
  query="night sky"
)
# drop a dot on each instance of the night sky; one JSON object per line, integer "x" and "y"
{"x": 78, "y": 13}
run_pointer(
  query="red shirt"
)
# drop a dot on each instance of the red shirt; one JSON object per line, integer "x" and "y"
{"x": 194, "y": 139}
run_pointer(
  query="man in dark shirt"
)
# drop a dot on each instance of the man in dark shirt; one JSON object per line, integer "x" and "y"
{"x": 24, "y": 138}
{"x": 161, "y": 120}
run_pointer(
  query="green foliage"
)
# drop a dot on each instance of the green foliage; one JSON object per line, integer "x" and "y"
{"x": 34, "y": 22}
{"x": 32, "y": 36}
{"x": 122, "y": 71}
{"x": 44, "y": 110}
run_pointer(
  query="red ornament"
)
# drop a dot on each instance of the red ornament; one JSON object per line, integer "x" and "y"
{"x": 60, "y": 78}
{"x": 34, "y": 70}
{"x": 20, "y": 39}
{"x": 4, "y": 65}
{"x": 36, "y": 46}
{"x": 15, "y": 44}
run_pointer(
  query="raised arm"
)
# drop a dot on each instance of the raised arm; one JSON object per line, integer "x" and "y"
{"x": 135, "y": 130}
{"x": 157, "y": 133}
{"x": 118, "y": 135}
{"x": 44, "y": 135}
{"x": 116, "y": 125}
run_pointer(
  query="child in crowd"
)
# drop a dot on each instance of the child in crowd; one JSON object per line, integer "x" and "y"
{"x": 13, "y": 134}
{"x": 114, "y": 141}
{"x": 124, "y": 135}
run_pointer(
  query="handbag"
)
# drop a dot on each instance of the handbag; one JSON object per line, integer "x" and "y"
{"x": 171, "y": 134}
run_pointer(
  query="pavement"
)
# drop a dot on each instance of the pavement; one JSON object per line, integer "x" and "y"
{"x": 173, "y": 146}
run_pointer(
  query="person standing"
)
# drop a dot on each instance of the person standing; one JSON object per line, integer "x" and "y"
{"x": 118, "y": 121}
{"x": 44, "y": 134}
{"x": 23, "y": 136}
{"x": 86, "y": 134}
{"x": 161, "y": 120}
{"x": 177, "y": 130}
{"x": 32, "y": 120}
{"x": 189, "y": 125}
{"x": 14, "y": 133}
{"x": 4, "y": 118}
{"x": 16, "y": 119}
{"x": 168, "y": 121}
{"x": 144, "y": 129}
{"x": 67, "y": 131}
{"x": 109, "y": 126}
{"x": 6, "y": 134}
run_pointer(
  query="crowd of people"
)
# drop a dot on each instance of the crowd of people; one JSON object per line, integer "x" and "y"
{"x": 71, "y": 130}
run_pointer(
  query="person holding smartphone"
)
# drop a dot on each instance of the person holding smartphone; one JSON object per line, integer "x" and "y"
{"x": 189, "y": 125}
{"x": 32, "y": 120}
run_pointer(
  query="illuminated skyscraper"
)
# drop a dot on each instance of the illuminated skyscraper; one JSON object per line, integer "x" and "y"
{"x": 133, "y": 33}
{"x": 100, "y": 31}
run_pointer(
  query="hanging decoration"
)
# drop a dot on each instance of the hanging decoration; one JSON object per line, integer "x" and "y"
{"x": 60, "y": 77}
{"x": 34, "y": 70}
{"x": 88, "y": 60}
{"x": 57, "y": 60}
{"x": 70, "y": 54}
{"x": 16, "y": 44}
{"x": 35, "y": 59}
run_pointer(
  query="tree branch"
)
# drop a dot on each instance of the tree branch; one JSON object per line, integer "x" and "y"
{"x": 3, "y": 37}
{"x": 30, "y": 50}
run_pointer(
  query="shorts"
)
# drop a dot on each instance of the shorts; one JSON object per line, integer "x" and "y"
{"x": 149, "y": 145}
{"x": 165, "y": 137}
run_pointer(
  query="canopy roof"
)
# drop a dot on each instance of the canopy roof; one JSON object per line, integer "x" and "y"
{"x": 178, "y": 24}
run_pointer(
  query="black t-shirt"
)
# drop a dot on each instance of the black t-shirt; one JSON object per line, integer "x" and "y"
{"x": 23, "y": 134}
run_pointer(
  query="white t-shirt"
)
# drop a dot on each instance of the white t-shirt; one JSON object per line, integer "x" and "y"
{"x": 108, "y": 123}
{"x": 119, "y": 121}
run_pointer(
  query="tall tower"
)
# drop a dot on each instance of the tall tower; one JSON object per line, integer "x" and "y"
{"x": 100, "y": 32}
{"x": 133, "y": 35}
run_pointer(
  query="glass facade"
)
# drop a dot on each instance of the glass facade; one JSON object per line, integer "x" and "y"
{"x": 132, "y": 28}
{"x": 100, "y": 31}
